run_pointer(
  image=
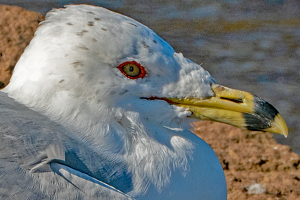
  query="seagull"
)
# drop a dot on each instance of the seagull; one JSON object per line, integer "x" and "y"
{"x": 100, "y": 107}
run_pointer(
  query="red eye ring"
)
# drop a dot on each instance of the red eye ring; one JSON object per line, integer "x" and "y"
{"x": 139, "y": 72}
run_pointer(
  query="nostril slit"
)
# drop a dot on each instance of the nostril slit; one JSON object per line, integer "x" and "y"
{"x": 233, "y": 100}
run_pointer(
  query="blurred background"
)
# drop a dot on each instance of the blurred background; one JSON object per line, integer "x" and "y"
{"x": 247, "y": 45}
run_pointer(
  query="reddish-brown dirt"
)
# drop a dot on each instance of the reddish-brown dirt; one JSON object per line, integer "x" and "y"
{"x": 17, "y": 27}
{"x": 249, "y": 159}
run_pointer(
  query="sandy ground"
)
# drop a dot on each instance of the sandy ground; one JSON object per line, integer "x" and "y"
{"x": 17, "y": 27}
{"x": 255, "y": 165}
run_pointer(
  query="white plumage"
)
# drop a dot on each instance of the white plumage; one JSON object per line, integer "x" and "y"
{"x": 92, "y": 133}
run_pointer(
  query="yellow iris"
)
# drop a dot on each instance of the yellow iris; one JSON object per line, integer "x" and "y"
{"x": 131, "y": 69}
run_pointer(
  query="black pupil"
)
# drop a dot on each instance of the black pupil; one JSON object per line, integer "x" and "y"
{"x": 131, "y": 68}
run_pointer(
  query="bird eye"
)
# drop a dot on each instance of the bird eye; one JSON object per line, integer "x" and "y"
{"x": 132, "y": 70}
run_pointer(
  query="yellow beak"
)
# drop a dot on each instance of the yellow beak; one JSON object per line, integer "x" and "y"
{"x": 235, "y": 107}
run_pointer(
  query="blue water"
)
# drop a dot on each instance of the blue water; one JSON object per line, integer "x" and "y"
{"x": 264, "y": 59}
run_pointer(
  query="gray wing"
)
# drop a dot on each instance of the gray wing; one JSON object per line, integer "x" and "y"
{"x": 40, "y": 159}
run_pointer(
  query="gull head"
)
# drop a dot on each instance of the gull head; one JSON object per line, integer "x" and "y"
{"x": 122, "y": 89}
{"x": 89, "y": 64}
